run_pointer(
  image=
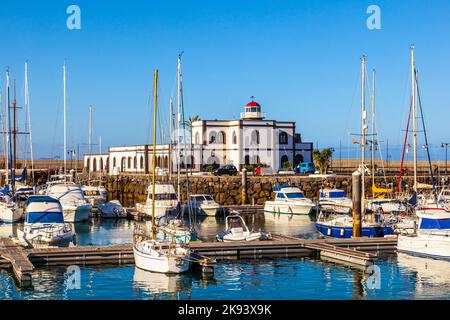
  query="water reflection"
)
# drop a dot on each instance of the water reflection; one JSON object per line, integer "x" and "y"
{"x": 426, "y": 274}
{"x": 155, "y": 283}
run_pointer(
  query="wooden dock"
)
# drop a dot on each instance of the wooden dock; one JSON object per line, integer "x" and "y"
{"x": 357, "y": 251}
{"x": 18, "y": 258}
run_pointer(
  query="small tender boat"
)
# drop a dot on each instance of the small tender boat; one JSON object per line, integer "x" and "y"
{"x": 44, "y": 224}
{"x": 75, "y": 206}
{"x": 112, "y": 210}
{"x": 341, "y": 226}
{"x": 386, "y": 205}
{"x": 432, "y": 238}
{"x": 237, "y": 230}
{"x": 203, "y": 204}
{"x": 335, "y": 199}
{"x": 289, "y": 200}
{"x": 166, "y": 201}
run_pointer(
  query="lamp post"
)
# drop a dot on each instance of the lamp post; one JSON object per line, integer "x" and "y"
{"x": 332, "y": 150}
{"x": 445, "y": 145}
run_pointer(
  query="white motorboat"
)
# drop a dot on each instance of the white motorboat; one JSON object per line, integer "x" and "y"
{"x": 75, "y": 206}
{"x": 112, "y": 209}
{"x": 203, "y": 204}
{"x": 237, "y": 230}
{"x": 290, "y": 201}
{"x": 335, "y": 199}
{"x": 432, "y": 238}
{"x": 95, "y": 195}
{"x": 166, "y": 201}
{"x": 44, "y": 224}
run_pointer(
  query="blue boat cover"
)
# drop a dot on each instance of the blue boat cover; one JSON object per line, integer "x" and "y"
{"x": 45, "y": 217}
{"x": 428, "y": 223}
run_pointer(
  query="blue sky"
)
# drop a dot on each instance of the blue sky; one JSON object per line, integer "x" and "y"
{"x": 300, "y": 59}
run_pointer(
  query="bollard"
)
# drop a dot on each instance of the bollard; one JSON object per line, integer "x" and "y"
{"x": 244, "y": 186}
{"x": 356, "y": 197}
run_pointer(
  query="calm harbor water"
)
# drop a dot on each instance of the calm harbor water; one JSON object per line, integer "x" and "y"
{"x": 401, "y": 277}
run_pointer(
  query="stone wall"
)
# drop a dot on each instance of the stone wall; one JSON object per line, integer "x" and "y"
{"x": 228, "y": 190}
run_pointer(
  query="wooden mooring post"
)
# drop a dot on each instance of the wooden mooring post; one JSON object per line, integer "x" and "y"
{"x": 357, "y": 208}
{"x": 244, "y": 186}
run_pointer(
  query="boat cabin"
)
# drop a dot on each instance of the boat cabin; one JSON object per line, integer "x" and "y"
{"x": 43, "y": 209}
{"x": 332, "y": 193}
{"x": 285, "y": 193}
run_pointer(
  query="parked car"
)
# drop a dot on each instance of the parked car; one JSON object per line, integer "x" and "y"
{"x": 305, "y": 167}
{"x": 228, "y": 169}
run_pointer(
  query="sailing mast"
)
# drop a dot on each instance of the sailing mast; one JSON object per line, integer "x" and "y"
{"x": 27, "y": 108}
{"x": 170, "y": 138}
{"x": 155, "y": 96}
{"x": 179, "y": 125}
{"x": 14, "y": 132}
{"x": 65, "y": 134}
{"x": 363, "y": 128}
{"x": 374, "y": 141}
{"x": 8, "y": 132}
{"x": 414, "y": 115}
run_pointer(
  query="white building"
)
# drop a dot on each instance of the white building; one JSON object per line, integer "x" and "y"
{"x": 251, "y": 140}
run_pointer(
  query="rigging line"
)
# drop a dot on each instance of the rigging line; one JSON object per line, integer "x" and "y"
{"x": 404, "y": 146}
{"x": 425, "y": 133}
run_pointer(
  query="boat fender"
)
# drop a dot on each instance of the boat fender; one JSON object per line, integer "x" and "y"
{"x": 342, "y": 231}
{"x": 329, "y": 231}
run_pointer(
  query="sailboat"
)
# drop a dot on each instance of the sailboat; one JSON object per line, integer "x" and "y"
{"x": 10, "y": 210}
{"x": 433, "y": 235}
{"x": 70, "y": 194}
{"x": 341, "y": 225}
{"x": 154, "y": 255}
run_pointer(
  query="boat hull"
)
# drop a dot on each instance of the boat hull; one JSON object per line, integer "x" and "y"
{"x": 63, "y": 240}
{"x": 164, "y": 264}
{"x": 347, "y": 232}
{"x": 74, "y": 214}
{"x": 427, "y": 246}
{"x": 288, "y": 208}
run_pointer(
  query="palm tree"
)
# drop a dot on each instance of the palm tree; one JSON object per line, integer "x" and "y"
{"x": 322, "y": 159}
{"x": 188, "y": 123}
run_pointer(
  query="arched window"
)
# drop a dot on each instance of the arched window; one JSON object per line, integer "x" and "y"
{"x": 129, "y": 163}
{"x": 94, "y": 165}
{"x": 234, "y": 138}
{"x": 298, "y": 159}
{"x": 114, "y": 161}
{"x": 247, "y": 160}
{"x": 221, "y": 137}
{"x": 88, "y": 164}
{"x": 123, "y": 162}
{"x": 212, "y": 137}
{"x": 101, "y": 164}
{"x": 197, "y": 138}
{"x": 135, "y": 162}
{"x": 285, "y": 162}
{"x": 283, "y": 138}
{"x": 255, "y": 137}
{"x": 141, "y": 163}
{"x": 107, "y": 163}
{"x": 166, "y": 162}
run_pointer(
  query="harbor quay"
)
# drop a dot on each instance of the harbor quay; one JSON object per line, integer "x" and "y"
{"x": 228, "y": 190}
